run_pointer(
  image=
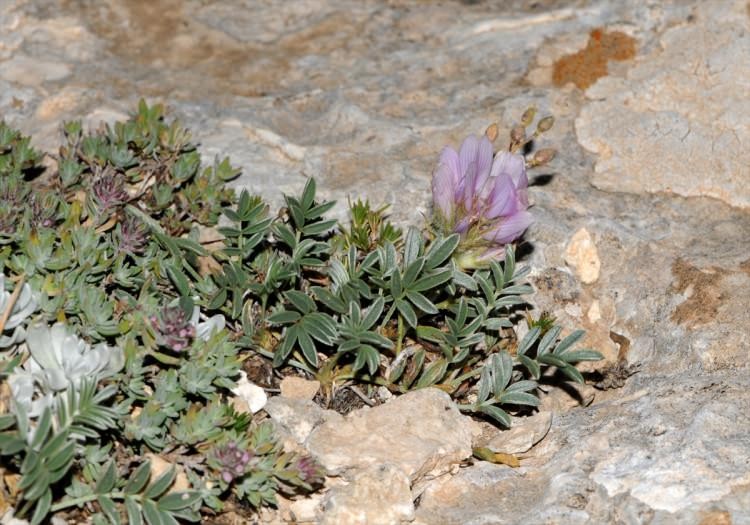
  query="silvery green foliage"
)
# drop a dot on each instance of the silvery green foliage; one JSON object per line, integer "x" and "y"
{"x": 24, "y": 306}
{"x": 58, "y": 359}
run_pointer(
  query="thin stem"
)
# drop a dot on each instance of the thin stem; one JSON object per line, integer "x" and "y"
{"x": 401, "y": 333}
{"x": 467, "y": 375}
{"x": 12, "y": 301}
{"x": 388, "y": 315}
{"x": 83, "y": 499}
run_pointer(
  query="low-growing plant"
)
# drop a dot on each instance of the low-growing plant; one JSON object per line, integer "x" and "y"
{"x": 122, "y": 330}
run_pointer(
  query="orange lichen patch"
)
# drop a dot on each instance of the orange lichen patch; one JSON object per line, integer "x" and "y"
{"x": 716, "y": 517}
{"x": 590, "y": 64}
{"x": 704, "y": 293}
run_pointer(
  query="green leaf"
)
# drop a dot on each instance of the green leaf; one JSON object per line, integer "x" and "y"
{"x": 574, "y": 356}
{"x": 7, "y": 421}
{"x": 319, "y": 227}
{"x": 161, "y": 484}
{"x": 531, "y": 365}
{"x": 284, "y": 317}
{"x": 528, "y": 340}
{"x": 366, "y": 356}
{"x": 407, "y": 312}
{"x": 138, "y": 479}
{"x": 151, "y": 512}
{"x": 62, "y": 458}
{"x": 301, "y": 301}
{"x": 485, "y": 385}
{"x": 373, "y": 313}
{"x": 550, "y": 359}
{"x": 496, "y": 413}
{"x": 432, "y": 280}
{"x": 569, "y": 341}
{"x": 502, "y": 369}
{"x": 440, "y": 250}
{"x": 412, "y": 246}
{"x": 179, "y": 279}
{"x": 308, "y": 194}
{"x": 43, "y": 505}
{"x": 107, "y": 482}
{"x": 308, "y": 347}
{"x": 43, "y": 428}
{"x": 179, "y": 500}
{"x": 548, "y": 340}
{"x": 510, "y": 263}
{"x": 519, "y": 398}
{"x": 133, "y": 510}
{"x": 434, "y": 372}
{"x": 464, "y": 280}
{"x": 396, "y": 286}
{"x": 109, "y": 508}
{"x": 421, "y": 302}
{"x": 412, "y": 271}
{"x": 573, "y": 373}
{"x": 522, "y": 386}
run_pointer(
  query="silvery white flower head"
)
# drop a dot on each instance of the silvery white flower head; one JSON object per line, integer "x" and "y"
{"x": 58, "y": 359}
{"x": 208, "y": 326}
{"x": 24, "y": 306}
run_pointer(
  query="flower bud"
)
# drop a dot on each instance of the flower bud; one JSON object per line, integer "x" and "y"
{"x": 517, "y": 135}
{"x": 545, "y": 124}
{"x": 543, "y": 156}
{"x": 491, "y": 132}
{"x": 528, "y": 116}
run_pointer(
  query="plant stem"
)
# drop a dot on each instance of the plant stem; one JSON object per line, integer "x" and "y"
{"x": 12, "y": 301}
{"x": 467, "y": 375}
{"x": 83, "y": 499}
{"x": 400, "y": 335}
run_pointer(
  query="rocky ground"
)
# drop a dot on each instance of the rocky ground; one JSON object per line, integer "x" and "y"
{"x": 641, "y": 237}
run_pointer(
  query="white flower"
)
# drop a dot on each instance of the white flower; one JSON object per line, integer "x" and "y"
{"x": 58, "y": 359}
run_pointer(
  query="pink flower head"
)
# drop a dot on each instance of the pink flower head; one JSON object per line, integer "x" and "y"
{"x": 482, "y": 199}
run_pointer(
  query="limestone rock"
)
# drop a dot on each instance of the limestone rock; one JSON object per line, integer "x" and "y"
{"x": 421, "y": 432}
{"x": 298, "y": 417}
{"x": 678, "y": 121}
{"x": 523, "y": 435}
{"x": 582, "y": 255}
{"x": 379, "y": 495}
{"x": 294, "y": 387}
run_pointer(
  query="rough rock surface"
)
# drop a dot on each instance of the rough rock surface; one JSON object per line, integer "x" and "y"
{"x": 422, "y": 433}
{"x": 653, "y": 163}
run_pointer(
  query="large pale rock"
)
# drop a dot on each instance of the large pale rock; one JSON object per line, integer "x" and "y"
{"x": 377, "y": 496}
{"x": 298, "y": 417}
{"x": 421, "y": 432}
{"x": 678, "y": 121}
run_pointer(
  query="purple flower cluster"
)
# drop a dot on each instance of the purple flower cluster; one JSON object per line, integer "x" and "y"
{"x": 133, "y": 236}
{"x": 309, "y": 470}
{"x": 232, "y": 461}
{"x": 109, "y": 192}
{"x": 481, "y": 196}
{"x": 173, "y": 328}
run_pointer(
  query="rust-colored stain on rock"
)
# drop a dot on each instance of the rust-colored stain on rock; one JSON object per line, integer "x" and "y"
{"x": 590, "y": 64}
{"x": 705, "y": 298}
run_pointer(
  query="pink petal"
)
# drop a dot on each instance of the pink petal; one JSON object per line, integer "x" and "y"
{"x": 443, "y": 190}
{"x": 511, "y": 164}
{"x": 468, "y": 154}
{"x": 484, "y": 164}
{"x": 449, "y": 157}
{"x": 510, "y": 228}
{"x": 503, "y": 200}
